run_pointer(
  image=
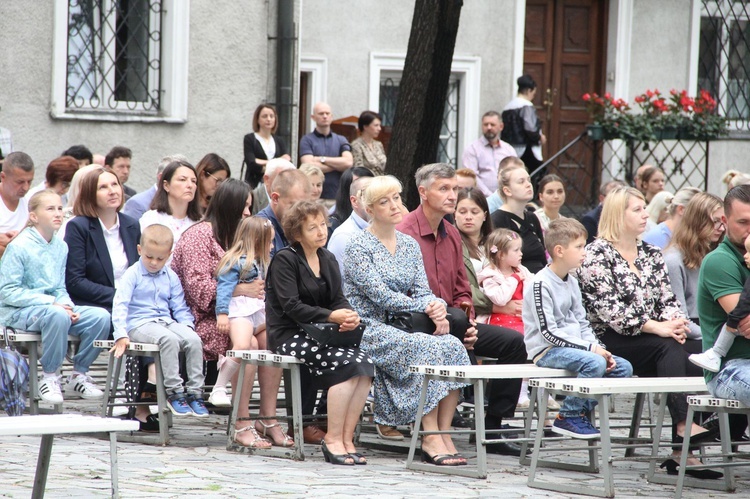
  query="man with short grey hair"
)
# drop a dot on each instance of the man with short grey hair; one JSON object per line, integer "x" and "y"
{"x": 15, "y": 182}
{"x": 442, "y": 254}
{"x": 139, "y": 204}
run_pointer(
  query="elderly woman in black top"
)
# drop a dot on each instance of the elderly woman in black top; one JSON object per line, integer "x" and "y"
{"x": 303, "y": 285}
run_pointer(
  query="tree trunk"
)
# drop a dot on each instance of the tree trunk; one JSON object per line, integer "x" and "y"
{"x": 422, "y": 92}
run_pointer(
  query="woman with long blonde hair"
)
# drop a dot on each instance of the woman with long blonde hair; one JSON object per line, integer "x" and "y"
{"x": 700, "y": 232}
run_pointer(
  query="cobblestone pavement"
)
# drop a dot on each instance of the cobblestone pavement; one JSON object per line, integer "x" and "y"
{"x": 197, "y": 464}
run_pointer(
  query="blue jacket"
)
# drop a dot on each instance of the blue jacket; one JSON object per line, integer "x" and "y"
{"x": 32, "y": 272}
{"x": 227, "y": 282}
{"x": 89, "y": 276}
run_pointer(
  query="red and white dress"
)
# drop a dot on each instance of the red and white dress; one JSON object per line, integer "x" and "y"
{"x": 501, "y": 289}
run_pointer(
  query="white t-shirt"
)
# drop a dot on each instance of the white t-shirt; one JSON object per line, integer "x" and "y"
{"x": 14, "y": 220}
{"x": 269, "y": 147}
{"x": 178, "y": 225}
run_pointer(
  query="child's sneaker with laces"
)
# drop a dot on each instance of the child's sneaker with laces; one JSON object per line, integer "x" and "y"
{"x": 50, "y": 389}
{"x": 197, "y": 406}
{"x": 82, "y": 386}
{"x": 575, "y": 427}
{"x": 708, "y": 360}
{"x": 177, "y": 403}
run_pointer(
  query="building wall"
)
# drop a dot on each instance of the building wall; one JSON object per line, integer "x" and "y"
{"x": 347, "y": 32}
{"x": 228, "y": 77}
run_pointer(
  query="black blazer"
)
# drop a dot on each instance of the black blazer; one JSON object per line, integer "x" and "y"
{"x": 88, "y": 275}
{"x": 253, "y": 149}
{"x": 294, "y": 295}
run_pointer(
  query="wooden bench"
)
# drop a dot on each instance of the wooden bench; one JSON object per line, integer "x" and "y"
{"x": 477, "y": 376}
{"x": 599, "y": 389}
{"x": 722, "y": 408}
{"x": 114, "y": 367}
{"x": 293, "y": 388}
{"x": 30, "y": 342}
{"x": 50, "y": 425}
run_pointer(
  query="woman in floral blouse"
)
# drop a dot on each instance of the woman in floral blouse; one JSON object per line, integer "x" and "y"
{"x": 630, "y": 303}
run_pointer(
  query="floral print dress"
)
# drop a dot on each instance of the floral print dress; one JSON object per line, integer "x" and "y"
{"x": 619, "y": 299}
{"x": 377, "y": 282}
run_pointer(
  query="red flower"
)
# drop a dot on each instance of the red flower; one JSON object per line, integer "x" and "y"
{"x": 586, "y": 97}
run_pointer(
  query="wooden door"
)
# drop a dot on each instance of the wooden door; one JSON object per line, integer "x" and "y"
{"x": 564, "y": 50}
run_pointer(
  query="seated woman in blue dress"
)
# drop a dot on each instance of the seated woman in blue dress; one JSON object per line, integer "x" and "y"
{"x": 383, "y": 272}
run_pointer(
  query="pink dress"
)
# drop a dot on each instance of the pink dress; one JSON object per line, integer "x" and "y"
{"x": 194, "y": 260}
{"x": 501, "y": 289}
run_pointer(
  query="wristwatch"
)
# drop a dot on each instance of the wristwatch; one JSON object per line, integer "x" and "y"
{"x": 323, "y": 160}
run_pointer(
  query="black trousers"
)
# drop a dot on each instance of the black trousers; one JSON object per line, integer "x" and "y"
{"x": 654, "y": 356}
{"x": 505, "y": 345}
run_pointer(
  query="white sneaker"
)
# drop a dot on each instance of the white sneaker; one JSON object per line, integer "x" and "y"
{"x": 708, "y": 360}
{"x": 82, "y": 386}
{"x": 523, "y": 404}
{"x": 49, "y": 389}
{"x": 120, "y": 410}
{"x": 219, "y": 398}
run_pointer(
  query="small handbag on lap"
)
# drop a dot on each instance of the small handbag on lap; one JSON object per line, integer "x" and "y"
{"x": 327, "y": 334}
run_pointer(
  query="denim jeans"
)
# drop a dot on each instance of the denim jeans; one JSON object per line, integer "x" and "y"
{"x": 587, "y": 365}
{"x": 54, "y": 324}
{"x": 733, "y": 381}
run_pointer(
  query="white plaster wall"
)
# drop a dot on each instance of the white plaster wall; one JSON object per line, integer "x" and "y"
{"x": 346, "y": 32}
{"x": 660, "y": 46}
{"x": 228, "y": 77}
{"x": 726, "y": 155}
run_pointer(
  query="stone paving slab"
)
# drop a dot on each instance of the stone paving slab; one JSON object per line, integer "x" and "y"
{"x": 198, "y": 465}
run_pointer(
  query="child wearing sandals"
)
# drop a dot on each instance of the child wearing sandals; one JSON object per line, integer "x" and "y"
{"x": 33, "y": 298}
{"x": 149, "y": 307}
{"x": 244, "y": 320}
{"x": 710, "y": 360}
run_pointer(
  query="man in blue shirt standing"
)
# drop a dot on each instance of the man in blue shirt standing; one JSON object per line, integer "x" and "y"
{"x": 327, "y": 150}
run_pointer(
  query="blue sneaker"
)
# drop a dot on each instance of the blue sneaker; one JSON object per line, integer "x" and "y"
{"x": 575, "y": 427}
{"x": 197, "y": 406}
{"x": 178, "y": 405}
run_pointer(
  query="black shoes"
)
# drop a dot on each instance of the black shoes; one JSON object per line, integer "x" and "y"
{"x": 673, "y": 468}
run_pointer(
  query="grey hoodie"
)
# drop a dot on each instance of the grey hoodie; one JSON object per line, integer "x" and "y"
{"x": 553, "y": 315}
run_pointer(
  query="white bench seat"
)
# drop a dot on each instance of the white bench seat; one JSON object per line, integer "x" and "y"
{"x": 49, "y": 426}
{"x": 292, "y": 385}
{"x": 599, "y": 389}
{"x": 477, "y": 376}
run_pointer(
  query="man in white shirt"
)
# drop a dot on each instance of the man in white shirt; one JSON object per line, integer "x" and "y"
{"x": 357, "y": 221}
{"x": 15, "y": 182}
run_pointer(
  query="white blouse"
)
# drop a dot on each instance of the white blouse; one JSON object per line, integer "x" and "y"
{"x": 116, "y": 250}
{"x": 177, "y": 225}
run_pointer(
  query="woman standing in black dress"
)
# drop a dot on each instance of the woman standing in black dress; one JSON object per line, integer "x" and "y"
{"x": 262, "y": 144}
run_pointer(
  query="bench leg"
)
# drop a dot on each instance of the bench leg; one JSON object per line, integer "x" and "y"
{"x": 418, "y": 422}
{"x": 42, "y": 467}
{"x": 726, "y": 450}
{"x": 528, "y": 421}
{"x": 236, "y": 391}
{"x": 165, "y": 415}
{"x": 635, "y": 422}
{"x": 481, "y": 433}
{"x": 33, "y": 378}
{"x": 299, "y": 439}
{"x": 609, "y": 481}
{"x": 685, "y": 452}
{"x": 113, "y": 463}
{"x": 656, "y": 436}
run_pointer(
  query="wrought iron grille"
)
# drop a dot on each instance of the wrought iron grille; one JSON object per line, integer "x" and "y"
{"x": 114, "y": 55}
{"x": 448, "y": 145}
{"x": 724, "y": 58}
{"x": 584, "y": 164}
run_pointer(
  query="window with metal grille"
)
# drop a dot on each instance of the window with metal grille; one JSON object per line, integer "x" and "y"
{"x": 448, "y": 145}
{"x": 114, "y": 56}
{"x": 724, "y": 58}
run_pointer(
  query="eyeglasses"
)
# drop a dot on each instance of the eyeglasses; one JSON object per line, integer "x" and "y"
{"x": 218, "y": 180}
{"x": 718, "y": 223}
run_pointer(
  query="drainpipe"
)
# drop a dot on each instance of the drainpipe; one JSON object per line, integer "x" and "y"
{"x": 285, "y": 61}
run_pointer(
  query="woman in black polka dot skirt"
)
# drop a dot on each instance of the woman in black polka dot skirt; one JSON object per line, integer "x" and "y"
{"x": 303, "y": 285}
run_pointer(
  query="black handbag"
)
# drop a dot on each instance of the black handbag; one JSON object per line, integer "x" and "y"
{"x": 327, "y": 334}
{"x": 411, "y": 322}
